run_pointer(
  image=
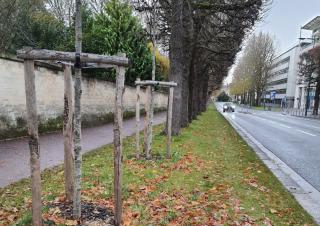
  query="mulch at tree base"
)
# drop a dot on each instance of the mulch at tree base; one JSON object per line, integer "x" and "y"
{"x": 91, "y": 214}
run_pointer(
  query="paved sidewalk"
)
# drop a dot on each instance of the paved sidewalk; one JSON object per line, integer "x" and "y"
{"x": 14, "y": 154}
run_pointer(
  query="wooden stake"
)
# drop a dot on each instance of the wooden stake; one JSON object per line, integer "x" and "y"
{"x": 117, "y": 128}
{"x": 68, "y": 134}
{"x": 32, "y": 118}
{"x": 169, "y": 121}
{"x": 148, "y": 125}
{"x": 77, "y": 116}
{"x": 138, "y": 121}
{"x": 156, "y": 83}
{"x": 51, "y": 55}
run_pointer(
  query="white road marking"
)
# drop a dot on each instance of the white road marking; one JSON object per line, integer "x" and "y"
{"x": 295, "y": 122}
{"x": 288, "y": 127}
{"x": 310, "y": 134}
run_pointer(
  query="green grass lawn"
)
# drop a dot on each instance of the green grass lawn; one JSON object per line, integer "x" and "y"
{"x": 213, "y": 178}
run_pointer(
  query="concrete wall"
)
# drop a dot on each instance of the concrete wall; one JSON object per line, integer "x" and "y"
{"x": 97, "y": 99}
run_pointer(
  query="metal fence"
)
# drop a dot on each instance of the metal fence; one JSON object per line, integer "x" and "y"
{"x": 246, "y": 109}
{"x": 300, "y": 113}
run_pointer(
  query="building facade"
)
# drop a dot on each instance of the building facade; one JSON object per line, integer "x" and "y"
{"x": 283, "y": 77}
{"x": 284, "y": 86}
{"x": 306, "y": 45}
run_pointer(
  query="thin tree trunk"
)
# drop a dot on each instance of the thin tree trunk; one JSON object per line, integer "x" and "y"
{"x": 77, "y": 115}
{"x": 151, "y": 101}
{"x": 68, "y": 134}
{"x": 138, "y": 121}
{"x": 117, "y": 129}
{"x": 258, "y": 100}
{"x": 32, "y": 118}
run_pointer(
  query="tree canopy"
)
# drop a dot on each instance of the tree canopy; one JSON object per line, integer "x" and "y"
{"x": 254, "y": 68}
{"x": 109, "y": 27}
{"x": 203, "y": 38}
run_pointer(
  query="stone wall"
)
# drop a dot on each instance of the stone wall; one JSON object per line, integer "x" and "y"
{"x": 97, "y": 99}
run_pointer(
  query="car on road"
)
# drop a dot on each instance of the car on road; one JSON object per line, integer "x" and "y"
{"x": 229, "y": 107}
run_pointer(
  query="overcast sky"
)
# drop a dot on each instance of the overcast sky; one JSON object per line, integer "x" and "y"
{"x": 284, "y": 19}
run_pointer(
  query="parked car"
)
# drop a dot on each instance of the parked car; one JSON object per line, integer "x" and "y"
{"x": 228, "y": 107}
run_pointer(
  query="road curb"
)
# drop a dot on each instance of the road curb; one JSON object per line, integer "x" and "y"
{"x": 307, "y": 196}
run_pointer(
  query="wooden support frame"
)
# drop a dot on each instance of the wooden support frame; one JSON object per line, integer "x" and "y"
{"x": 169, "y": 122}
{"x": 118, "y": 135}
{"x": 148, "y": 120}
{"x": 148, "y": 124}
{"x": 28, "y": 53}
{"x": 32, "y": 120}
{"x": 68, "y": 115}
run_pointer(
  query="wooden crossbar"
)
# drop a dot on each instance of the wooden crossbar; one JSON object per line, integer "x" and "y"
{"x": 155, "y": 83}
{"x": 44, "y": 54}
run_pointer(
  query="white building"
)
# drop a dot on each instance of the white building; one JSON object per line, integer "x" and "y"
{"x": 284, "y": 77}
{"x": 302, "y": 87}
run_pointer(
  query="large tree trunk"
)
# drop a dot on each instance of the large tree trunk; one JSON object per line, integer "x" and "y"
{"x": 32, "y": 116}
{"x": 316, "y": 99}
{"x": 180, "y": 59}
{"x": 177, "y": 63}
{"x": 77, "y": 116}
{"x": 204, "y": 97}
{"x": 68, "y": 135}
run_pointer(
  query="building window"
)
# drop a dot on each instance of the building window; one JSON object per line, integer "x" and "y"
{"x": 280, "y": 62}
{"x": 282, "y": 81}
{"x": 280, "y": 72}
{"x": 281, "y": 91}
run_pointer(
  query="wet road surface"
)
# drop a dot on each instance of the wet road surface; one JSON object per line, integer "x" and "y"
{"x": 296, "y": 141}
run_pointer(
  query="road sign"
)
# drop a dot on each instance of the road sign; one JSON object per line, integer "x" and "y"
{"x": 273, "y": 95}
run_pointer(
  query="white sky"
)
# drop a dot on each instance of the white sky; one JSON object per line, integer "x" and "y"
{"x": 283, "y": 22}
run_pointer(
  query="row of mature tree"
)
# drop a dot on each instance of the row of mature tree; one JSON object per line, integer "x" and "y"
{"x": 203, "y": 38}
{"x": 109, "y": 27}
{"x": 253, "y": 69}
{"x": 309, "y": 73}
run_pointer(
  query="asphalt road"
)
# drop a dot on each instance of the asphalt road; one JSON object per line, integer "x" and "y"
{"x": 14, "y": 154}
{"x": 296, "y": 141}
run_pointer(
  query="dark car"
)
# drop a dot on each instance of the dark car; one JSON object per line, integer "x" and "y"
{"x": 228, "y": 107}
